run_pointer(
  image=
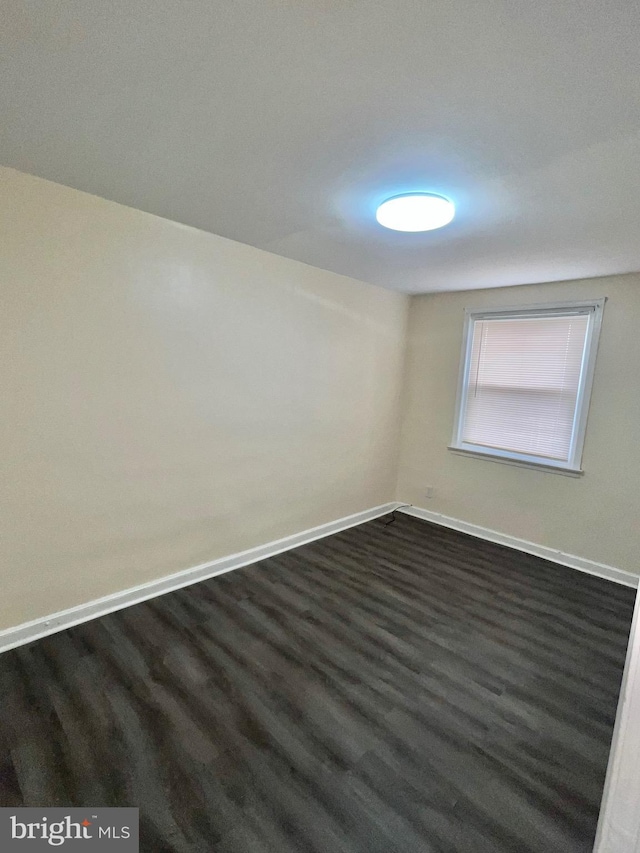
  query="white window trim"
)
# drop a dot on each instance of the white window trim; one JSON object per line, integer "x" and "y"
{"x": 594, "y": 308}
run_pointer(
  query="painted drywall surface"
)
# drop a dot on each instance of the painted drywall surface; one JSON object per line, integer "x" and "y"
{"x": 170, "y": 397}
{"x": 595, "y": 516}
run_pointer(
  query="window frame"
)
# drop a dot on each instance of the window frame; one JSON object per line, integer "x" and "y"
{"x": 594, "y": 308}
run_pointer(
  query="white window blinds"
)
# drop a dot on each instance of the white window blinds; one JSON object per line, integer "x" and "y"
{"x": 523, "y": 383}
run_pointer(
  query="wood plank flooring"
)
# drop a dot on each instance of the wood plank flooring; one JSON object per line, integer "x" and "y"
{"x": 390, "y": 689}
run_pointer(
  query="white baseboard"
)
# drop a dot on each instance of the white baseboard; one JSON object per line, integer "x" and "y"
{"x": 29, "y": 631}
{"x": 583, "y": 565}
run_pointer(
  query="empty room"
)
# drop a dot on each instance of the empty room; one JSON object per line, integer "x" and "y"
{"x": 320, "y": 438}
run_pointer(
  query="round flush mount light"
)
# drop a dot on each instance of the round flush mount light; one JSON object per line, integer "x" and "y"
{"x": 415, "y": 212}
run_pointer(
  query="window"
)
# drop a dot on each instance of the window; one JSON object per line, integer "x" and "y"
{"x": 525, "y": 382}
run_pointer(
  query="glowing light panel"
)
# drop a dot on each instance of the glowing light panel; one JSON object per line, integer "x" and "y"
{"x": 415, "y": 212}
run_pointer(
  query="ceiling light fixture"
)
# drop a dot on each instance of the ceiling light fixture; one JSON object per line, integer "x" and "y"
{"x": 415, "y": 212}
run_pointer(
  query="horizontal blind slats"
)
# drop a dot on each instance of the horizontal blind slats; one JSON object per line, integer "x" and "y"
{"x": 523, "y": 382}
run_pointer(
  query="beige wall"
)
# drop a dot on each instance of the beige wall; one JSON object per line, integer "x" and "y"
{"x": 170, "y": 396}
{"x": 596, "y": 516}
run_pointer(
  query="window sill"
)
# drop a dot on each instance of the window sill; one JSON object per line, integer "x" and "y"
{"x": 519, "y": 463}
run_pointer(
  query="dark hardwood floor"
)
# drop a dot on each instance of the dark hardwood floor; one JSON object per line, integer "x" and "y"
{"x": 390, "y": 689}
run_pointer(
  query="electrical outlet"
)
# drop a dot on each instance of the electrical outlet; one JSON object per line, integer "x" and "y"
{"x": 428, "y": 492}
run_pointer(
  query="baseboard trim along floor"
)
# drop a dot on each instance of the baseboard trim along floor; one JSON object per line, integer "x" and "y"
{"x": 10, "y": 638}
{"x": 580, "y": 563}
{"x": 398, "y": 687}
{"x": 29, "y": 631}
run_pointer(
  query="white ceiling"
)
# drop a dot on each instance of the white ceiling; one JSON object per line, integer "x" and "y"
{"x": 282, "y": 123}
